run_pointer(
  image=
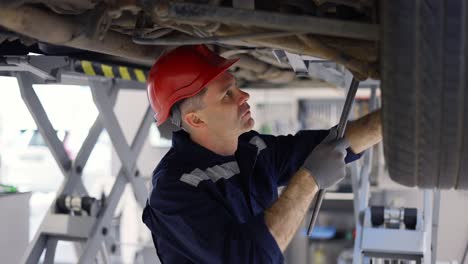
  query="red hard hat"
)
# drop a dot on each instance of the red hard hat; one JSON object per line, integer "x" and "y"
{"x": 181, "y": 73}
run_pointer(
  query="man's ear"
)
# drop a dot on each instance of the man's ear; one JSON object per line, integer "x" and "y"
{"x": 193, "y": 120}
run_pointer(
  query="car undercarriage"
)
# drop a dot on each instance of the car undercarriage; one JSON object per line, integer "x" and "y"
{"x": 137, "y": 32}
{"x": 415, "y": 48}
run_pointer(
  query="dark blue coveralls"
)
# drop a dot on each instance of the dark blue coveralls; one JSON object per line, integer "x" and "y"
{"x": 207, "y": 208}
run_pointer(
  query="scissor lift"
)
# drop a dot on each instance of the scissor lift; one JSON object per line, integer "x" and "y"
{"x": 391, "y": 235}
{"x": 74, "y": 216}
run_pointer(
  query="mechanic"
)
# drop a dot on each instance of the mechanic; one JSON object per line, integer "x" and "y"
{"x": 215, "y": 193}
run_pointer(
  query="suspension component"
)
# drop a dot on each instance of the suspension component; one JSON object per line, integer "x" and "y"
{"x": 78, "y": 205}
{"x": 394, "y": 217}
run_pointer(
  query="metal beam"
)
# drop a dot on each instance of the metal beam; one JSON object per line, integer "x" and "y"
{"x": 50, "y": 251}
{"x": 25, "y": 81}
{"x": 68, "y": 227}
{"x": 127, "y": 157}
{"x": 270, "y": 20}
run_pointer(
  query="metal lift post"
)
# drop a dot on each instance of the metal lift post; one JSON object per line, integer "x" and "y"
{"x": 379, "y": 243}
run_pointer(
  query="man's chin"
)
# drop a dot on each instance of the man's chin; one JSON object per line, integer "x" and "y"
{"x": 249, "y": 124}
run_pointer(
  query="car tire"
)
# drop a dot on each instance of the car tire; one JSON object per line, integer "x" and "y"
{"x": 424, "y": 69}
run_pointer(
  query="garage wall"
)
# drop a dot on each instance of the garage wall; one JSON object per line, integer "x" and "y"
{"x": 453, "y": 226}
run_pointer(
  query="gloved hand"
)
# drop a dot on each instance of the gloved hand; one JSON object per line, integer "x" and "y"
{"x": 326, "y": 162}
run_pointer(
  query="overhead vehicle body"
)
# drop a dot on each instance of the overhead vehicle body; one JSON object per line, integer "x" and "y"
{"x": 417, "y": 49}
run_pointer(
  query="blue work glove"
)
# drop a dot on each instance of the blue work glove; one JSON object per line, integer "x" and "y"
{"x": 326, "y": 161}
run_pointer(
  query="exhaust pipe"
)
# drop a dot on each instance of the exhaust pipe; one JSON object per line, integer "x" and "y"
{"x": 55, "y": 29}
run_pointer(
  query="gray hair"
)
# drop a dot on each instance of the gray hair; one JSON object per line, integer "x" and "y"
{"x": 176, "y": 115}
{"x": 186, "y": 105}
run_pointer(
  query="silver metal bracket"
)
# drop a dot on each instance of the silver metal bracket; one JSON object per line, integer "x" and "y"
{"x": 44, "y": 69}
{"x": 306, "y": 66}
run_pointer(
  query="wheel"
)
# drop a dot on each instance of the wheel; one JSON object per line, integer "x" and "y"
{"x": 424, "y": 91}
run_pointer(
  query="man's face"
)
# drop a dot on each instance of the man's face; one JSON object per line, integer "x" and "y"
{"x": 226, "y": 111}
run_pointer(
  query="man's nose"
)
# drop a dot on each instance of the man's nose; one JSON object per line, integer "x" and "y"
{"x": 243, "y": 97}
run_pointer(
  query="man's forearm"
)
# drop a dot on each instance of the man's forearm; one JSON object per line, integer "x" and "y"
{"x": 284, "y": 217}
{"x": 364, "y": 132}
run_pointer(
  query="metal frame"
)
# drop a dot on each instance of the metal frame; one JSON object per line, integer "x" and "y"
{"x": 91, "y": 232}
{"x": 304, "y": 65}
{"x": 399, "y": 244}
{"x": 360, "y": 183}
{"x": 270, "y": 20}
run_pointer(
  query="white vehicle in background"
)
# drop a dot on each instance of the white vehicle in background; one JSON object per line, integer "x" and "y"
{"x": 27, "y": 158}
{"x": 28, "y": 164}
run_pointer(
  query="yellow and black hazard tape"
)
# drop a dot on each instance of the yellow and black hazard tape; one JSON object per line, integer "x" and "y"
{"x": 110, "y": 71}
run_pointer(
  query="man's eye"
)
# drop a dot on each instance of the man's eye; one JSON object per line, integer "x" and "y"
{"x": 228, "y": 93}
